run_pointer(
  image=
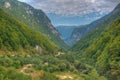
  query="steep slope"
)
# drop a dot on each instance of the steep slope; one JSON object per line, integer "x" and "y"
{"x": 66, "y": 32}
{"x": 72, "y": 34}
{"x": 79, "y": 33}
{"x": 100, "y": 26}
{"x": 101, "y": 47}
{"x": 16, "y": 36}
{"x": 35, "y": 19}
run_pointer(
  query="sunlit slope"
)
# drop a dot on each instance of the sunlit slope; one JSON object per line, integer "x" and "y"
{"x": 34, "y": 18}
{"x": 101, "y": 47}
{"x": 15, "y": 35}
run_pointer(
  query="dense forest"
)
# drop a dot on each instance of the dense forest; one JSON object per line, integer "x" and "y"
{"x": 34, "y": 18}
{"x": 15, "y": 35}
{"x": 103, "y": 52}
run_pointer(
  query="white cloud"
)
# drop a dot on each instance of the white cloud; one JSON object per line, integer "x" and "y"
{"x": 74, "y": 7}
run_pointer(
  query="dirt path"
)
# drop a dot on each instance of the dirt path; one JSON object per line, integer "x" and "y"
{"x": 24, "y": 68}
{"x": 66, "y": 76}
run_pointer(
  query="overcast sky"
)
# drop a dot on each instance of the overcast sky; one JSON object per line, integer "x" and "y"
{"x": 75, "y": 8}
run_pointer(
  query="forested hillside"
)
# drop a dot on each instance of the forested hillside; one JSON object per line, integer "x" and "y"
{"x": 81, "y": 32}
{"x": 101, "y": 47}
{"x": 15, "y": 36}
{"x": 34, "y": 18}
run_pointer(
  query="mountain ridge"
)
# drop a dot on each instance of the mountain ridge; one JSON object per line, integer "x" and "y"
{"x": 66, "y": 32}
{"x": 15, "y": 36}
{"x": 34, "y": 18}
{"x": 105, "y": 21}
{"x": 100, "y": 47}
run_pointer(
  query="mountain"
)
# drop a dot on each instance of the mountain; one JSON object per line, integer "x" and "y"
{"x": 33, "y": 18}
{"x": 72, "y": 34}
{"x": 77, "y": 34}
{"x": 101, "y": 46}
{"x": 15, "y": 36}
{"x": 80, "y": 32}
{"x": 66, "y": 32}
{"x": 99, "y": 26}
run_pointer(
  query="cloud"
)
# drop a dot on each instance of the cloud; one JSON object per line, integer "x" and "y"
{"x": 74, "y": 7}
{"x": 24, "y": 0}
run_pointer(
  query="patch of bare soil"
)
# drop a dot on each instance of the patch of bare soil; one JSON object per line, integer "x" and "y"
{"x": 63, "y": 77}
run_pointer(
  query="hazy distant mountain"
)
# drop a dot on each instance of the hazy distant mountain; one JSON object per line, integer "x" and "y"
{"x": 72, "y": 34}
{"x": 66, "y": 32}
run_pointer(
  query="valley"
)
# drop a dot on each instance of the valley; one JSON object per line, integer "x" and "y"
{"x": 31, "y": 48}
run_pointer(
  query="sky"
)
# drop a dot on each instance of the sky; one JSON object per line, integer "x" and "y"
{"x": 73, "y": 12}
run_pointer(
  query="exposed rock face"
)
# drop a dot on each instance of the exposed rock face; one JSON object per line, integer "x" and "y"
{"x": 7, "y": 5}
{"x": 54, "y": 31}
